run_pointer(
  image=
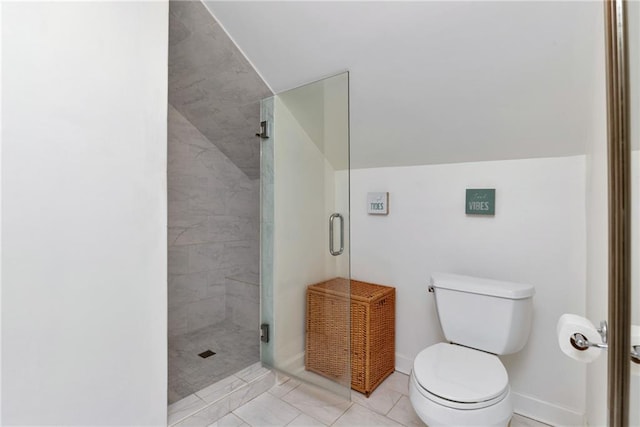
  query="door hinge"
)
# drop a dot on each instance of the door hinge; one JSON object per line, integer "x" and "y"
{"x": 264, "y": 130}
{"x": 264, "y": 332}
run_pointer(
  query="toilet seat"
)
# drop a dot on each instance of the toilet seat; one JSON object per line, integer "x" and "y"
{"x": 460, "y": 377}
{"x": 435, "y": 414}
{"x": 456, "y": 405}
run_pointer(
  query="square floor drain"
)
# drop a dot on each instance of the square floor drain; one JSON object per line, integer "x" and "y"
{"x": 206, "y": 354}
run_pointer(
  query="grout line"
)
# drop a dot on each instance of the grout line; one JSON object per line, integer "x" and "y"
{"x": 187, "y": 416}
{"x": 237, "y": 415}
{"x": 208, "y": 404}
{"x": 300, "y": 412}
{"x": 287, "y": 393}
{"x": 349, "y": 406}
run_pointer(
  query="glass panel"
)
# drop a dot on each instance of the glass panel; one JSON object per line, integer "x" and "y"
{"x": 305, "y": 183}
{"x": 634, "y": 96}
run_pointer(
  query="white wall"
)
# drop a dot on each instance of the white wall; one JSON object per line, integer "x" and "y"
{"x": 1, "y": 134}
{"x": 597, "y": 232}
{"x": 634, "y": 413}
{"x": 84, "y": 213}
{"x": 537, "y": 236}
{"x": 597, "y": 273}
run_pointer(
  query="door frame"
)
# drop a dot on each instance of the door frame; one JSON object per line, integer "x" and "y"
{"x": 619, "y": 160}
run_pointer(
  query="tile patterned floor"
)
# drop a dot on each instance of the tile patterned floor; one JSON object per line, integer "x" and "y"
{"x": 291, "y": 403}
{"x": 235, "y": 348}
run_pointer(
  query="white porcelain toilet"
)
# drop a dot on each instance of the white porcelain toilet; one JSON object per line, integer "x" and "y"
{"x": 462, "y": 382}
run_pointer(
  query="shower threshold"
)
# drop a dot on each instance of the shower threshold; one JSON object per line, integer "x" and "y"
{"x": 217, "y": 400}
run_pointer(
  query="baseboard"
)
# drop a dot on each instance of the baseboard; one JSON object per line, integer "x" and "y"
{"x": 546, "y": 412}
{"x": 294, "y": 364}
{"x": 523, "y": 404}
{"x": 403, "y": 364}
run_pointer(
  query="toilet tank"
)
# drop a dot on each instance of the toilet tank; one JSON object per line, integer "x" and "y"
{"x": 484, "y": 314}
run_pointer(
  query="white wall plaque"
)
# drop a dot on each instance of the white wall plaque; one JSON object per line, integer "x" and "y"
{"x": 378, "y": 203}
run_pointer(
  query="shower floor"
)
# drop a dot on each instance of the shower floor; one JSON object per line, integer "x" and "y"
{"x": 235, "y": 348}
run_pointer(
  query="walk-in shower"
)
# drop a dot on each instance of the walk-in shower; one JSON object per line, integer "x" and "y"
{"x": 213, "y": 203}
{"x": 245, "y": 209}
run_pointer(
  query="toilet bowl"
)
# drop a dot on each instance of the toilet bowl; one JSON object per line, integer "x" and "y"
{"x": 451, "y": 385}
{"x": 462, "y": 382}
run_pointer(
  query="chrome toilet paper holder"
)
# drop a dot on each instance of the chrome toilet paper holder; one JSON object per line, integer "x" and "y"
{"x": 582, "y": 343}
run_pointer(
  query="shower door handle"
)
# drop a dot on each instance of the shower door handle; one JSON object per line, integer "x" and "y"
{"x": 331, "y": 220}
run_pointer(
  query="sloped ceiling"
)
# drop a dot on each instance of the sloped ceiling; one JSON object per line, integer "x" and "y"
{"x": 437, "y": 82}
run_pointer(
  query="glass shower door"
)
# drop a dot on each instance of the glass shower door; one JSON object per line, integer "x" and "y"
{"x": 305, "y": 232}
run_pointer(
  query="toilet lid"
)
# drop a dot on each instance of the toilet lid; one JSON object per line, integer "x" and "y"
{"x": 460, "y": 374}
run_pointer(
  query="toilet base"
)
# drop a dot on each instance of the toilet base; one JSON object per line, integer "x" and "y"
{"x": 436, "y": 415}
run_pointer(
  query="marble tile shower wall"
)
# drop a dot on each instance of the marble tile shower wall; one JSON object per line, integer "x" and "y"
{"x": 213, "y": 173}
{"x": 213, "y": 85}
{"x": 243, "y": 300}
{"x": 213, "y": 227}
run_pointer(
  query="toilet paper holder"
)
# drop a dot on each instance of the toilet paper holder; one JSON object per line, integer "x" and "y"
{"x": 582, "y": 343}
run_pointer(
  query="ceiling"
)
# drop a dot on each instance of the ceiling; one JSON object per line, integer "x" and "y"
{"x": 437, "y": 82}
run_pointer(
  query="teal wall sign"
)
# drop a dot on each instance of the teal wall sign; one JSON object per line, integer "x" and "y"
{"x": 480, "y": 201}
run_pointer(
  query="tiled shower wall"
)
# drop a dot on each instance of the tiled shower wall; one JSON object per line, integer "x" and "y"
{"x": 213, "y": 174}
{"x": 213, "y": 85}
{"x": 213, "y": 228}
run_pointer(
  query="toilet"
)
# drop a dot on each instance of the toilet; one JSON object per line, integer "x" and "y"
{"x": 462, "y": 382}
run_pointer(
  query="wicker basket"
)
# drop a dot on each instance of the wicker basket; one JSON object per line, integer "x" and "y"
{"x": 372, "y": 332}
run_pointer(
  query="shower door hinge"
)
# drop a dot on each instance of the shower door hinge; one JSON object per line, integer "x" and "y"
{"x": 264, "y": 130}
{"x": 264, "y": 332}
